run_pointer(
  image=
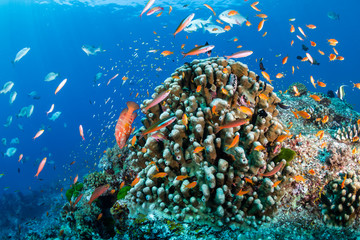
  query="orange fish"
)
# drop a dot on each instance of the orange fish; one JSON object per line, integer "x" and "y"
{"x": 217, "y": 20}
{"x": 198, "y": 149}
{"x": 292, "y": 42}
{"x": 170, "y": 9}
{"x": 321, "y": 84}
{"x": 311, "y": 26}
{"x": 354, "y": 150}
{"x": 20, "y": 157}
{"x": 122, "y": 184}
{"x": 281, "y": 138}
{"x": 296, "y": 91}
{"x": 355, "y": 139}
{"x": 261, "y": 15}
{"x": 323, "y": 145}
{"x": 249, "y": 180}
{"x": 313, "y": 44}
{"x": 248, "y": 23}
{"x": 184, "y": 23}
{"x": 136, "y": 180}
{"x": 246, "y": 110}
{"x": 259, "y": 148}
{"x": 261, "y": 24}
{"x": 98, "y": 192}
{"x": 206, "y": 5}
{"x": 191, "y": 185}
{"x": 315, "y": 97}
{"x": 160, "y": 175}
{"x": 303, "y": 114}
{"x": 185, "y": 120}
{"x": 263, "y": 96}
{"x": 133, "y": 141}
{"x": 293, "y": 69}
{"x": 336, "y": 52}
{"x": 321, "y": 52}
{"x": 266, "y": 76}
{"x": 38, "y": 134}
{"x": 232, "y": 13}
{"x": 241, "y": 192}
{"x": 325, "y": 119}
{"x": 41, "y": 166}
{"x": 343, "y": 182}
{"x": 236, "y": 123}
{"x": 340, "y": 58}
{"x": 285, "y": 59}
{"x": 99, "y": 217}
{"x": 213, "y": 111}
{"x": 183, "y": 46}
{"x": 233, "y": 143}
{"x": 76, "y": 178}
{"x": 124, "y": 78}
{"x": 182, "y": 177}
{"x": 279, "y": 75}
{"x": 254, "y": 6}
{"x": 276, "y": 183}
{"x": 332, "y": 57}
{"x": 299, "y": 178}
{"x": 292, "y": 29}
{"x": 265, "y": 33}
{"x": 166, "y": 53}
{"x": 333, "y": 42}
{"x": 311, "y": 171}
{"x": 227, "y": 28}
{"x": 123, "y": 126}
{"x": 225, "y": 70}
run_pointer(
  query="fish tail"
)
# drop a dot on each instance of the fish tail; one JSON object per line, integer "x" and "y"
{"x": 184, "y": 55}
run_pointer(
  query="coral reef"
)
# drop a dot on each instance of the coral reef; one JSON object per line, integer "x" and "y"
{"x": 340, "y": 199}
{"x": 230, "y": 187}
{"x": 350, "y": 133}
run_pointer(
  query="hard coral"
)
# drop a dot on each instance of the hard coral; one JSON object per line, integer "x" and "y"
{"x": 229, "y": 188}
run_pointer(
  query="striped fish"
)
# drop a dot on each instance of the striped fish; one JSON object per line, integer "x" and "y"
{"x": 340, "y": 92}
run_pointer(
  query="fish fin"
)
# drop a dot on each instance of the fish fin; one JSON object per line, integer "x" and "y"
{"x": 133, "y": 116}
{"x": 209, "y": 19}
{"x": 132, "y": 105}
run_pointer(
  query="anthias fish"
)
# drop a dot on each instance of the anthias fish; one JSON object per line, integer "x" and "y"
{"x": 161, "y": 97}
{"x": 199, "y": 50}
{"x": 123, "y": 126}
{"x": 98, "y": 192}
{"x": 184, "y": 23}
{"x": 232, "y": 124}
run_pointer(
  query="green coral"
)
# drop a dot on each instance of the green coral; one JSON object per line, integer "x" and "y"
{"x": 122, "y": 193}
{"x": 175, "y": 227}
{"x": 285, "y": 153}
{"x": 74, "y": 191}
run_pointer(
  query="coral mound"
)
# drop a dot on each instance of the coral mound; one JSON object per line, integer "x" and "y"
{"x": 234, "y": 182}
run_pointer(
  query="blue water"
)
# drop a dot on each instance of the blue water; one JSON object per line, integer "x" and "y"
{"x": 55, "y": 33}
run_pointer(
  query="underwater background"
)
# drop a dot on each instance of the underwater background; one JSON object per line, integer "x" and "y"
{"x": 99, "y": 84}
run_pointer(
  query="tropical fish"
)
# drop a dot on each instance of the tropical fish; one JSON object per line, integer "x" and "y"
{"x": 198, "y": 149}
{"x": 166, "y": 53}
{"x": 311, "y": 26}
{"x": 246, "y": 110}
{"x": 198, "y": 50}
{"x": 343, "y": 182}
{"x": 285, "y": 59}
{"x": 185, "y": 120}
{"x": 10, "y": 152}
{"x": 12, "y": 97}
{"x": 77, "y": 200}
{"x": 158, "y": 136}
{"x": 259, "y": 148}
{"x": 321, "y": 84}
{"x": 310, "y": 58}
{"x": 159, "y": 125}
{"x": 147, "y": 7}
{"x": 253, "y": 5}
{"x": 299, "y": 178}
{"x": 302, "y": 32}
{"x": 272, "y": 172}
{"x": 123, "y": 125}
{"x": 296, "y": 90}
{"x": 76, "y": 178}
{"x": 99, "y": 216}
{"x": 312, "y": 80}
{"x": 240, "y": 54}
{"x": 182, "y": 177}
{"x": 51, "y": 76}
{"x": 115, "y": 76}
{"x": 122, "y": 185}
{"x": 233, "y": 143}
{"x": 8, "y": 121}
{"x": 263, "y": 96}
{"x": 248, "y": 180}
{"x": 292, "y": 28}
{"x": 303, "y": 114}
{"x": 61, "y": 85}
{"x": 276, "y": 183}
{"x": 227, "y": 28}
{"x": 333, "y": 15}
{"x": 312, "y": 171}
{"x": 232, "y": 124}
{"x": 98, "y": 192}
{"x": 51, "y": 109}
{"x": 21, "y": 54}
{"x": 313, "y": 44}
{"x": 266, "y": 76}
{"x": 160, "y": 175}
{"x": 184, "y": 23}
{"x": 81, "y": 132}
{"x": 197, "y": 24}
{"x": 206, "y": 5}
{"x": 136, "y": 180}
{"x": 91, "y": 50}
{"x": 7, "y": 87}
{"x": 55, "y": 116}
{"x": 315, "y": 97}
{"x": 159, "y": 98}
{"x": 170, "y": 9}
{"x": 34, "y": 95}
{"x": 325, "y": 119}
{"x": 20, "y": 157}
{"x": 154, "y": 10}
{"x": 41, "y": 166}
{"x": 279, "y": 75}
{"x": 261, "y": 24}
{"x": 241, "y": 192}
{"x": 232, "y": 19}
{"x": 191, "y": 185}
{"x": 38, "y": 134}
{"x": 340, "y": 92}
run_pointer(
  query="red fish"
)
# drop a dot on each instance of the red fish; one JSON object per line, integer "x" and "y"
{"x": 148, "y": 5}
{"x": 272, "y": 172}
{"x": 123, "y": 126}
{"x": 77, "y": 199}
{"x": 98, "y": 192}
{"x": 41, "y": 166}
{"x": 232, "y": 124}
